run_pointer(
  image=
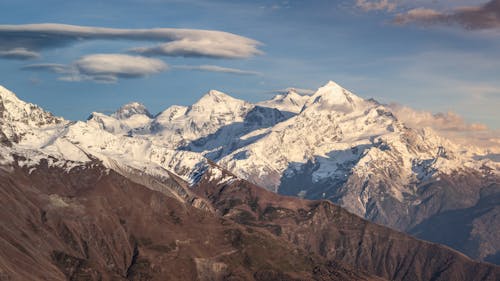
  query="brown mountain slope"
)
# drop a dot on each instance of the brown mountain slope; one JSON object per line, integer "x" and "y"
{"x": 328, "y": 230}
{"x": 93, "y": 224}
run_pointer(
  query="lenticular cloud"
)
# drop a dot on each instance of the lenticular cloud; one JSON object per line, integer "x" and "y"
{"x": 32, "y": 38}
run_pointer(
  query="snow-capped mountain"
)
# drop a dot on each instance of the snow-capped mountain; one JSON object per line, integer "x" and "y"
{"x": 17, "y": 119}
{"x": 33, "y": 135}
{"x": 331, "y": 145}
{"x": 131, "y": 109}
{"x": 214, "y": 125}
{"x": 339, "y": 136}
{"x": 289, "y": 103}
{"x": 128, "y": 117}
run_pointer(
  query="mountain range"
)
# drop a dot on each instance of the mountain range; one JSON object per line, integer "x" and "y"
{"x": 338, "y": 146}
{"x": 204, "y": 168}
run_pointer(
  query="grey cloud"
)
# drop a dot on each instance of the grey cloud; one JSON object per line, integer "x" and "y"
{"x": 175, "y": 42}
{"x": 297, "y": 90}
{"x": 103, "y": 68}
{"x": 378, "y": 5}
{"x": 215, "y": 68}
{"x": 49, "y": 67}
{"x": 19, "y": 54}
{"x": 486, "y": 16}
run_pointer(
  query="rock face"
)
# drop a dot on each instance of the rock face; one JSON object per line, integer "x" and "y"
{"x": 93, "y": 224}
{"x": 90, "y": 223}
{"x": 331, "y": 232}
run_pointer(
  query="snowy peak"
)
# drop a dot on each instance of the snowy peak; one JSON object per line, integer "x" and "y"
{"x": 10, "y": 105}
{"x": 289, "y": 102}
{"x": 218, "y": 105}
{"x": 218, "y": 95}
{"x": 14, "y": 111}
{"x": 171, "y": 113}
{"x": 217, "y": 100}
{"x": 130, "y": 117}
{"x": 6, "y": 95}
{"x": 214, "y": 97}
{"x": 129, "y": 109}
{"x": 334, "y": 97}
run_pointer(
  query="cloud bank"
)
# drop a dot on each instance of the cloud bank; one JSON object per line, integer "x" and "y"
{"x": 451, "y": 126}
{"x": 216, "y": 68}
{"x": 486, "y": 16}
{"x": 104, "y": 68}
{"x": 29, "y": 39}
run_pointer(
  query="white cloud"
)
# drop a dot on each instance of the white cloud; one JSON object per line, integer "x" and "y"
{"x": 119, "y": 65}
{"x": 215, "y": 68}
{"x": 19, "y": 53}
{"x": 215, "y": 47}
{"x": 175, "y": 42}
{"x": 103, "y": 68}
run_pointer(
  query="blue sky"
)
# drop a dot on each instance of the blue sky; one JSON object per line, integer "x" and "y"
{"x": 427, "y": 54}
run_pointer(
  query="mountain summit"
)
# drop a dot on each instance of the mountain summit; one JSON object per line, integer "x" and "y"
{"x": 289, "y": 103}
{"x": 333, "y": 97}
{"x": 133, "y": 108}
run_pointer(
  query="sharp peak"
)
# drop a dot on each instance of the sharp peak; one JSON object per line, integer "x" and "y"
{"x": 10, "y": 97}
{"x": 332, "y": 83}
{"x": 333, "y": 89}
{"x": 6, "y": 94}
{"x": 216, "y": 93}
{"x": 288, "y": 93}
{"x": 291, "y": 92}
{"x": 331, "y": 86}
{"x": 15, "y": 110}
{"x": 217, "y": 96}
{"x": 333, "y": 96}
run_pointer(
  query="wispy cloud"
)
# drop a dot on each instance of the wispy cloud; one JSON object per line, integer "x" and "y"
{"x": 103, "y": 68}
{"x": 31, "y": 38}
{"x": 50, "y": 67}
{"x": 19, "y": 54}
{"x": 376, "y": 5}
{"x": 216, "y": 68}
{"x": 485, "y": 16}
{"x": 108, "y": 68}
